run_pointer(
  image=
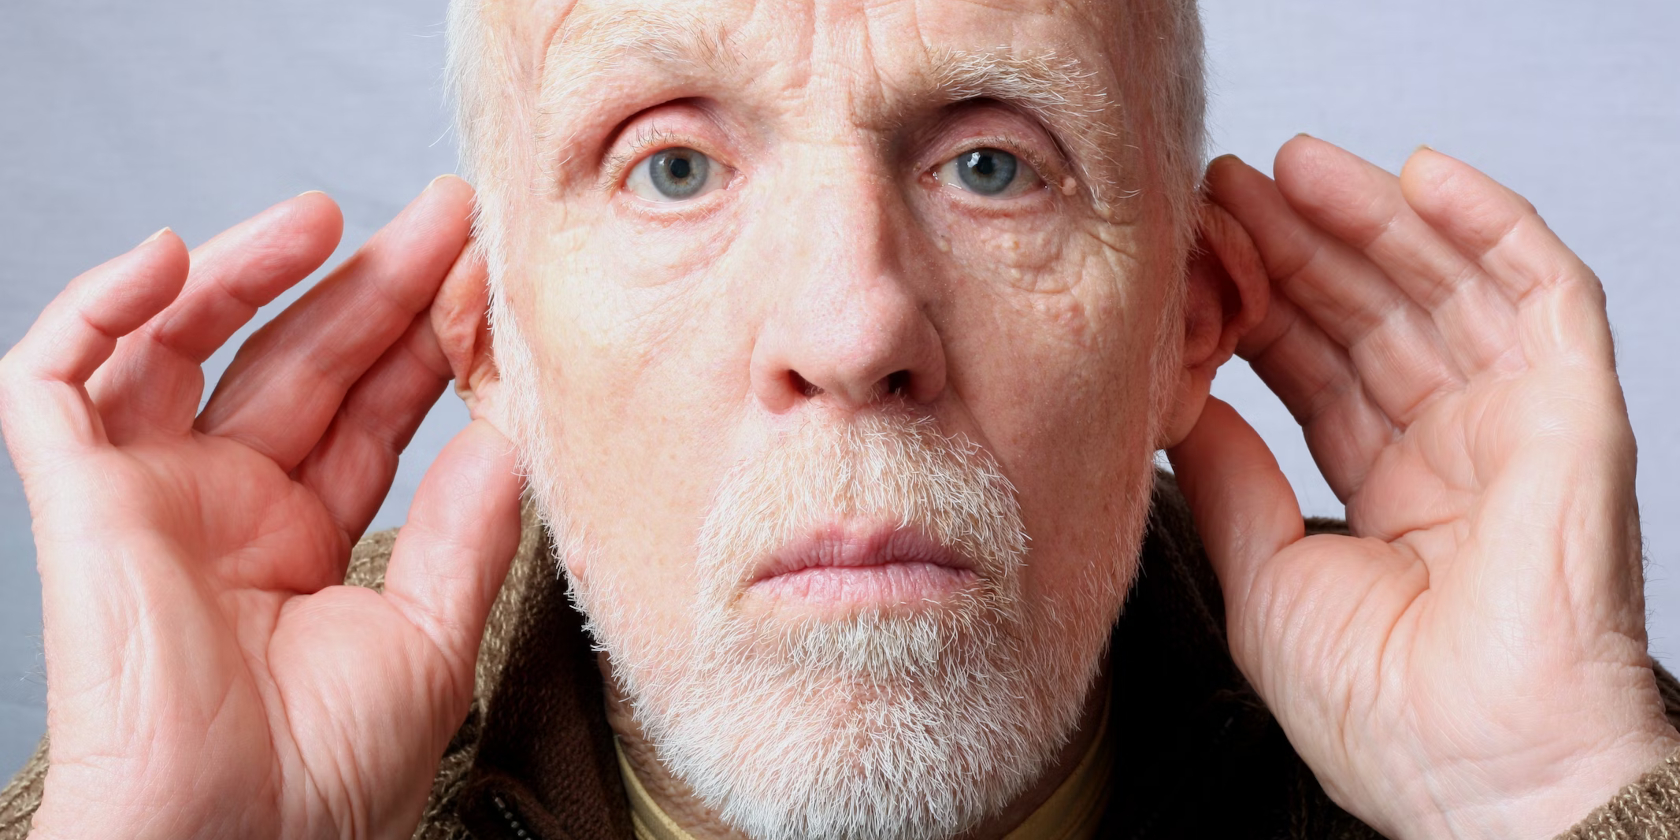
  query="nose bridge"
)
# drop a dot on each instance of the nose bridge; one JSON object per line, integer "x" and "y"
{"x": 848, "y": 328}
{"x": 837, "y": 225}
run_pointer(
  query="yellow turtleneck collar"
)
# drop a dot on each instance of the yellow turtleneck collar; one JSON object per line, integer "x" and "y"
{"x": 1071, "y": 813}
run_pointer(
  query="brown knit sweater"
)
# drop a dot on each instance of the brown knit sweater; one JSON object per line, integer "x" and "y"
{"x": 1199, "y": 755}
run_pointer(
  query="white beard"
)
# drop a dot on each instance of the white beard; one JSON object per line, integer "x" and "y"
{"x": 882, "y": 724}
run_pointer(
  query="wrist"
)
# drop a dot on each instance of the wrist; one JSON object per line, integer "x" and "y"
{"x": 1552, "y": 795}
{"x": 64, "y": 815}
{"x": 64, "y": 824}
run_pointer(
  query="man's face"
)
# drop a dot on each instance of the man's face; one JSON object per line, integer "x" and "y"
{"x": 842, "y": 323}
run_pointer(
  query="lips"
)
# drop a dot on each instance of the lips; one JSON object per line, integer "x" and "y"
{"x": 853, "y": 565}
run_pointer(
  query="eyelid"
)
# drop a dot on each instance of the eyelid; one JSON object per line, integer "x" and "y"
{"x": 1041, "y": 166}
{"x": 647, "y": 140}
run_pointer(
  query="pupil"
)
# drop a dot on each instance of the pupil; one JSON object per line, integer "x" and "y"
{"x": 679, "y": 173}
{"x": 987, "y": 171}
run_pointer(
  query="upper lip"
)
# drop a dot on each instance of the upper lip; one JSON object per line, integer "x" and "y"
{"x": 849, "y": 546}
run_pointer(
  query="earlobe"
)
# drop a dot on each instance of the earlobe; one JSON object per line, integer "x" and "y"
{"x": 1226, "y": 295}
{"x": 461, "y": 320}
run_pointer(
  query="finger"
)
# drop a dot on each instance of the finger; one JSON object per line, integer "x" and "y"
{"x": 1392, "y": 342}
{"x": 43, "y": 400}
{"x": 1244, "y": 508}
{"x": 1344, "y": 428}
{"x": 286, "y": 383}
{"x": 351, "y": 469}
{"x": 452, "y": 555}
{"x": 1362, "y": 205}
{"x": 154, "y": 380}
{"x": 1559, "y": 301}
{"x": 245, "y": 268}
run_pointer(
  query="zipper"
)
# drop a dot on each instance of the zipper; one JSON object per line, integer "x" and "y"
{"x": 511, "y": 818}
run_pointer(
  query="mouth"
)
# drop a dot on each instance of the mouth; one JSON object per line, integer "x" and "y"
{"x": 848, "y": 566}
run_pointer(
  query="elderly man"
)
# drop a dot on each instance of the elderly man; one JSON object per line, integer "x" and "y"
{"x": 834, "y": 342}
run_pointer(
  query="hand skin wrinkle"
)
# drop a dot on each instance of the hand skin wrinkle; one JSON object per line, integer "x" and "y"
{"x": 865, "y": 346}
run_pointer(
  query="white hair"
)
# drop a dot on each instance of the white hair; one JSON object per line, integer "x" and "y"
{"x": 879, "y": 726}
{"x": 1166, "y": 124}
{"x": 1165, "y": 50}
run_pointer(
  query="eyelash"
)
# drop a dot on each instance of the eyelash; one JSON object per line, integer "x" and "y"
{"x": 650, "y": 139}
{"x": 646, "y": 141}
{"x": 1039, "y": 164}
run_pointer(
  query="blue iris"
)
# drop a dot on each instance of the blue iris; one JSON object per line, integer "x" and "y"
{"x": 678, "y": 173}
{"x": 986, "y": 171}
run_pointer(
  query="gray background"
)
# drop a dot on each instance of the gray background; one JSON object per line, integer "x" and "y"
{"x": 117, "y": 118}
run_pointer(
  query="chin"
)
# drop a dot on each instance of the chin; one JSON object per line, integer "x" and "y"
{"x": 880, "y": 724}
{"x": 857, "y": 658}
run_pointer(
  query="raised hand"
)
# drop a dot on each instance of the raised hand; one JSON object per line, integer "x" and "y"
{"x": 207, "y": 674}
{"x": 1472, "y": 661}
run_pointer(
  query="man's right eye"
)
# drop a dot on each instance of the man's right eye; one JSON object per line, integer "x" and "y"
{"x": 675, "y": 174}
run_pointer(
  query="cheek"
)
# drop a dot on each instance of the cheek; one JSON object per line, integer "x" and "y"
{"x": 629, "y": 316}
{"x": 1029, "y": 254}
{"x": 1060, "y": 385}
{"x": 640, "y": 396}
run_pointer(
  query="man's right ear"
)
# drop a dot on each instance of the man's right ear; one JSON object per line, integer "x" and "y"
{"x": 461, "y": 320}
{"x": 1227, "y": 293}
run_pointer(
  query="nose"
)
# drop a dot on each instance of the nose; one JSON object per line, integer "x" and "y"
{"x": 850, "y": 330}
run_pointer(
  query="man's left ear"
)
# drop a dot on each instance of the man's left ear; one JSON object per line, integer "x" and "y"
{"x": 461, "y": 320}
{"x": 1226, "y": 296}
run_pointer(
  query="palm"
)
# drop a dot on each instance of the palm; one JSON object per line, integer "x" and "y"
{"x": 197, "y": 642}
{"x": 1482, "y": 628}
{"x": 232, "y": 611}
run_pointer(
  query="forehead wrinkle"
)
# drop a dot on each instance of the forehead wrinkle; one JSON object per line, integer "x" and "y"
{"x": 590, "y": 45}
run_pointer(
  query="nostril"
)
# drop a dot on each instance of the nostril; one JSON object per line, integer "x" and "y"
{"x": 804, "y": 386}
{"x": 898, "y": 383}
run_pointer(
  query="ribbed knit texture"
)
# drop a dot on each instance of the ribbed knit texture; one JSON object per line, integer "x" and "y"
{"x": 1648, "y": 808}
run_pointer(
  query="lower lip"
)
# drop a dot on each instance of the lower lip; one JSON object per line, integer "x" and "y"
{"x": 885, "y": 584}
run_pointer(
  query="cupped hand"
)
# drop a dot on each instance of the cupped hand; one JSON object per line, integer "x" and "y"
{"x": 207, "y": 673}
{"x": 1472, "y": 661}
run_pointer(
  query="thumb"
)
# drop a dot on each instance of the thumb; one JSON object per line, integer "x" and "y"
{"x": 452, "y": 555}
{"x": 1243, "y": 506}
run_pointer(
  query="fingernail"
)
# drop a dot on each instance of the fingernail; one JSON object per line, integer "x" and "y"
{"x": 310, "y": 192}
{"x": 444, "y": 176}
{"x": 1306, "y": 135}
{"x": 1227, "y": 156}
{"x": 1423, "y": 147}
{"x": 154, "y": 237}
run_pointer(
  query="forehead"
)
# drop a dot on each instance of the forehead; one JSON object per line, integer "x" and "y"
{"x": 856, "y": 29}
{"x": 558, "y": 44}
{"x": 867, "y": 62}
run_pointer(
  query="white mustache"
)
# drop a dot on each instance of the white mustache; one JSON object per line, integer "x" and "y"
{"x": 883, "y": 466}
{"x": 879, "y": 725}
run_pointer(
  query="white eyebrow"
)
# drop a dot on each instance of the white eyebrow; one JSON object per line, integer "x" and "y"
{"x": 1055, "y": 86}
{"x": 1058, "y": 89}
{"x": 593, "y": 43}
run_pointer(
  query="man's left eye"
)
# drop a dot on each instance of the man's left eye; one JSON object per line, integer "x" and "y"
{"x": 993, "y": 173}
{"x": 675, "y": 174}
